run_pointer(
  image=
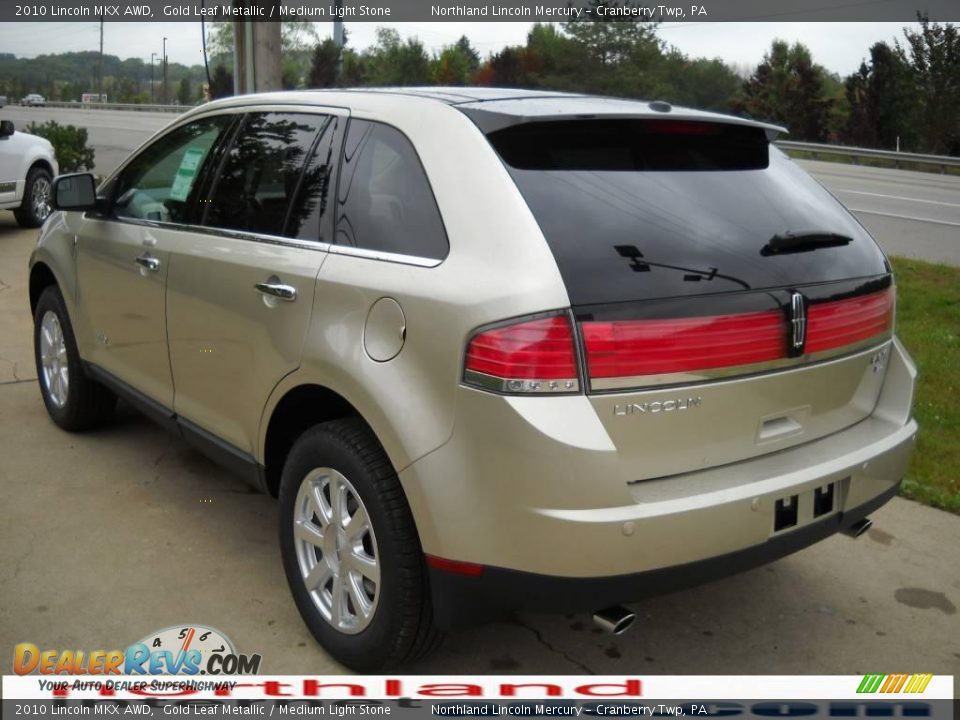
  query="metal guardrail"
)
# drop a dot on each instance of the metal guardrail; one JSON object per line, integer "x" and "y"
{"x": 131, "y": 107}
{"x": 855, "y": 153}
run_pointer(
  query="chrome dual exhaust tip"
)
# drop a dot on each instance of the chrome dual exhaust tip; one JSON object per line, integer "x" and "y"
{"x": 614, "y": 620}
{"x": 858, "y": 528}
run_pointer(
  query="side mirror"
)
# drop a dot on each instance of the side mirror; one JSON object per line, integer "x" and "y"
{"x": 75, "y": 192}
{"x": 6, "y": 128}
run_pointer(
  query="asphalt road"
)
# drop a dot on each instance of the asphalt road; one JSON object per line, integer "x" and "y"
{"x": 909, "y": 213}
{"x": 110, "y": 535}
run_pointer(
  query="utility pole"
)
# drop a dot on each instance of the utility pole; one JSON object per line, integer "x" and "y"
{"x": 338, "y": 34}
{"x": 164, "y": 71}
{"x": 100, "y": 67}
{"x": 152, "y": 56}
{"x": 256, "y": 51}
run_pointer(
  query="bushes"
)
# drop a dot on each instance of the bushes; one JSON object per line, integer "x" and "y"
{"x": 69, "y": 143}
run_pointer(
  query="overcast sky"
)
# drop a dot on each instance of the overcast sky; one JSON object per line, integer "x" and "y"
{"x": 840, "y": 47}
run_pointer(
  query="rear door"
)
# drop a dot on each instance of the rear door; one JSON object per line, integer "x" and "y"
{"x": 240, "y": 287}
{"x": 727, "y": 305}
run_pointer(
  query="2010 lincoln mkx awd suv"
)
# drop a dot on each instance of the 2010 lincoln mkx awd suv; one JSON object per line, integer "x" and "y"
{"x": 492, "y": 349}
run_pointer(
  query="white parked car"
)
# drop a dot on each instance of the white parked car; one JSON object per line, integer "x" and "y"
{"x": 33, "y": 99}
{"x": 27, "y": 167}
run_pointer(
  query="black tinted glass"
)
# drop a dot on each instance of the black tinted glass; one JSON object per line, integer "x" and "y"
{"x": 624, "y": 235}
{"x": 310, "y": 210}
{"x": 632, "y": 145}
{"x": 385, "y": 202}
{"x": 262, "y": 171}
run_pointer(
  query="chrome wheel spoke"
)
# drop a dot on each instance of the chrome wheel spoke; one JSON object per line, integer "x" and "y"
{"x": 358, "y": 524}
{"x": 358, "y": 596}
{"x": 308, "y": 532}
{"x": 366, "y": 566}
{"x": 338, "y": 502}
{"x": 338, "y": 600}
{"x": 320, "y": 504}
{"x": 317, "y": 578}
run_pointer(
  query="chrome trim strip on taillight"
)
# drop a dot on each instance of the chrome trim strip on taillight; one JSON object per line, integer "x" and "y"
{"x": 514, "y": 386}
{"x": 638, "y": 382}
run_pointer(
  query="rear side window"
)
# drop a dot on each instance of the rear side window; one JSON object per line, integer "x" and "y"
{"x": 632, "y": 145}
{"x": 262, "y": 171}
{"x": 385, "y": 202}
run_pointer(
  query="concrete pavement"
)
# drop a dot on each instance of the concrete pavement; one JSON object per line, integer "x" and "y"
{"x": 107, "y": 536}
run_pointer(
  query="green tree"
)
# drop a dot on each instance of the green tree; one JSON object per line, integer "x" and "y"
{"x": 882, "y": 102}
{"x": 221, "y": 83}
{"x": 324, "y": 64}
{"x": 611, "y": 41}
{"x": 788, "y": 88}
{"x": 392, "y": 61}
{"x": 185, "y": 92}
{"x": 933, "y": 54}
{"x": 455, "y": 64}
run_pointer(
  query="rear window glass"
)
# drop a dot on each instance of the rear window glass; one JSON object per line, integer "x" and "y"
{"x": 631, "y": 145}
{"x": 635, "y": 210}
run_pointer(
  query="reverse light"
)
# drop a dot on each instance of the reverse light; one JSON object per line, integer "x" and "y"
{"x": 528, "y": 356}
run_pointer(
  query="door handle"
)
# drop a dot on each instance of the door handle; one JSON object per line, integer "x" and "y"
{"x": 277, "y": 290}
{"x": 148, "y": 262}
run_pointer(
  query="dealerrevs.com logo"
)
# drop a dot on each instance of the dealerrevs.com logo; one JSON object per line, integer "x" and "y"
{"x": 177, "y": 650}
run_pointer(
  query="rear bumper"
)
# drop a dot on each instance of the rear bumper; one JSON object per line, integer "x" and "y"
{"x": 554, "y": 535}
{"x": 460, "y": 600}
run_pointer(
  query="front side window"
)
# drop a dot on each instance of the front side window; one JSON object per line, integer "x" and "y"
{"x": 158, "y": 183}
{"x": 262, "y": 172}
{"x": 384, "y": 201}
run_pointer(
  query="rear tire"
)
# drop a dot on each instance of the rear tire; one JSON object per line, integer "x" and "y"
{"x": 37, "y": 191}
{"x": 370, "y": 558}
{"x": 74, "y": 401}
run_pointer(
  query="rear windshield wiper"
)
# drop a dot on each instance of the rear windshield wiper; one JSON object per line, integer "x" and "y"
{"x": 803, "y": 241}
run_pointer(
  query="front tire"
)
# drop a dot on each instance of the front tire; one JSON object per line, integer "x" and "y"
{"x": 74, "y": 401}
{"x": 351, "y": 550}
{"x": 37, "y": 192}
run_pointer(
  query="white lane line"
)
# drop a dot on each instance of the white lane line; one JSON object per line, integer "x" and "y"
{"x": 904, "y": 217}
{"x": 897, "y": 197}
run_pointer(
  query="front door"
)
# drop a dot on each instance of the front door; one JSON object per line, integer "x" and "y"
{"x": 123, "y": 258}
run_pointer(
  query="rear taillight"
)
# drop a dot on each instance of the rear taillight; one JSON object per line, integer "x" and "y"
{"x": 539, "y": 355}
{"x": 529, "y": 356}
{"x": 630, "y": 348}
{"x": 633, "y": 353}
{"x": 840, "y": 323}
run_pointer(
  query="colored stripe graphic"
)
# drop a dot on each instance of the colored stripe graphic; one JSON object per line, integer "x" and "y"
{"x": 895, "y": 683}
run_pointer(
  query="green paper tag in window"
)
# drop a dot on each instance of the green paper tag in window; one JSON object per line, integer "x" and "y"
{"x": 186, "y": 174}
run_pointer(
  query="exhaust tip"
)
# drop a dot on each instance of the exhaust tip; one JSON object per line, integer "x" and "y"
{"x": 614, "y": 620}
{"x": 858, "y": 528}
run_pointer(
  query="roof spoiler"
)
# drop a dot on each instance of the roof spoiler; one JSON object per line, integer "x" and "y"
{"x": 486, "y": 117}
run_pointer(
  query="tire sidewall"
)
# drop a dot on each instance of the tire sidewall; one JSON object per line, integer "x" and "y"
{"x": 363, "y": 649}
{"x": 52, "y": 301}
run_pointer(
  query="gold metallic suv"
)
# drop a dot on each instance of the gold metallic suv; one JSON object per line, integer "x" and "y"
{"x": 492, "y": 349}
